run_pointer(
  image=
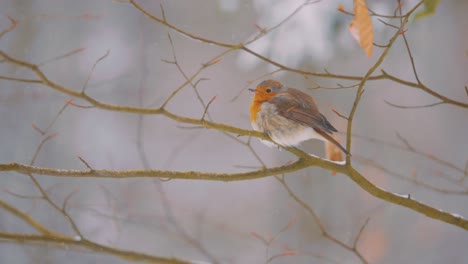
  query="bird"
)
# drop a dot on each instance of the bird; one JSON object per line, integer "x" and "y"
{"x": 288, "y": 116}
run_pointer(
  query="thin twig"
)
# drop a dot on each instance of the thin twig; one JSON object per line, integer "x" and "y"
{"x": 249, "y": 83}
{"x": 413, "y": 180}
{"x": 403, "y": 33}
{"x": 263, "y": 32}
{"x": 317, "y": 221}
{"x": 63, "y": 56}
{"x": 207, "y": 106}
{"x": 85, "y": 85}
{"x": 360, "y": 90}
{"x": 405, "y": 141}
{"x": 413, "y": 106}
{"x": 13, "y": 25}
{"x": 61, "y": 241}
{"x": 85, "y": 163}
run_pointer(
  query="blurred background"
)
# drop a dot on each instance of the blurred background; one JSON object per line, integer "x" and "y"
{"x": 227, "y": 221}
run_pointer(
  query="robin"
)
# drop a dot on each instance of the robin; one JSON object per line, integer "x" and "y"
{"x": 288, "y": 116}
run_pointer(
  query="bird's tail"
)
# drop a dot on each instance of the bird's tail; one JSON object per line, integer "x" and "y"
{"x": 331, "y": 139}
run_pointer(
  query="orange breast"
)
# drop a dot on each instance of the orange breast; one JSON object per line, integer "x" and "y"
{"x": 255, "y": 107}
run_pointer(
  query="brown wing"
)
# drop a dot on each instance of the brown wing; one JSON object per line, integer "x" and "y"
{"x": 300, "y": 107}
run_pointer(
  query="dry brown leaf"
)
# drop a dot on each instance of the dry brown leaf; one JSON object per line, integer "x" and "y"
{"x": 332, "y": 152}
{"x": 361, "y": 27}
{"x": 341, "y": 8}
{"x": 374, "y": 245}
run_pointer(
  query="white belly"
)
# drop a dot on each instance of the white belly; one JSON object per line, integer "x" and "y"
{"x": 281, "y": 130}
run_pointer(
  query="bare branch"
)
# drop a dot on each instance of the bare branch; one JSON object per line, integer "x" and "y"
{"x": 356, "y": 240}
{"x": 29, "y": 220}
{"x": 61, "y": 241}
{"x": 85, "y": 85}
{"x": 340, "y": 87}
{"x": 60, "y": 112}
{"x": 85, "y": 163}
{"x": 412, "y": 180}
{"x": 413, "y": 65}
{"x": 351, "y": 172}
{"x": 405, "y": 141}
{"x": 360, "y": 90}
{"x": 317, "y": 221}
{"x": 13, "y": 25}
{"x": 413, "y": 106}
{"x": 412, "y": 150}
{"x": 249, "y": 83}
{"x": 68, "y": 54}
{"x": 263, "y": 32}
{"x": 6, "y": 78}
{"x": 425, "y": 89}
{"x": 233, "y": 47}
{"x": 207, "y": 106}
{"x": 340, "y": 115}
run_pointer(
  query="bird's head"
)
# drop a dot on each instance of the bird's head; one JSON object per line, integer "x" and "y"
{"x": 266, "y": 90}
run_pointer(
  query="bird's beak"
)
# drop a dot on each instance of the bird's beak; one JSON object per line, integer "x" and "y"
{"x": 252, "y": 90}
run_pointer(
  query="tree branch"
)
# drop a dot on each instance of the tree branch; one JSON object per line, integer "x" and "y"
{"x": 354, "y": 175}
{"x": 86, "y": 244}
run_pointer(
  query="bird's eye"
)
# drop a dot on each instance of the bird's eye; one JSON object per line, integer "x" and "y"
{"x": 268, "y": 90}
